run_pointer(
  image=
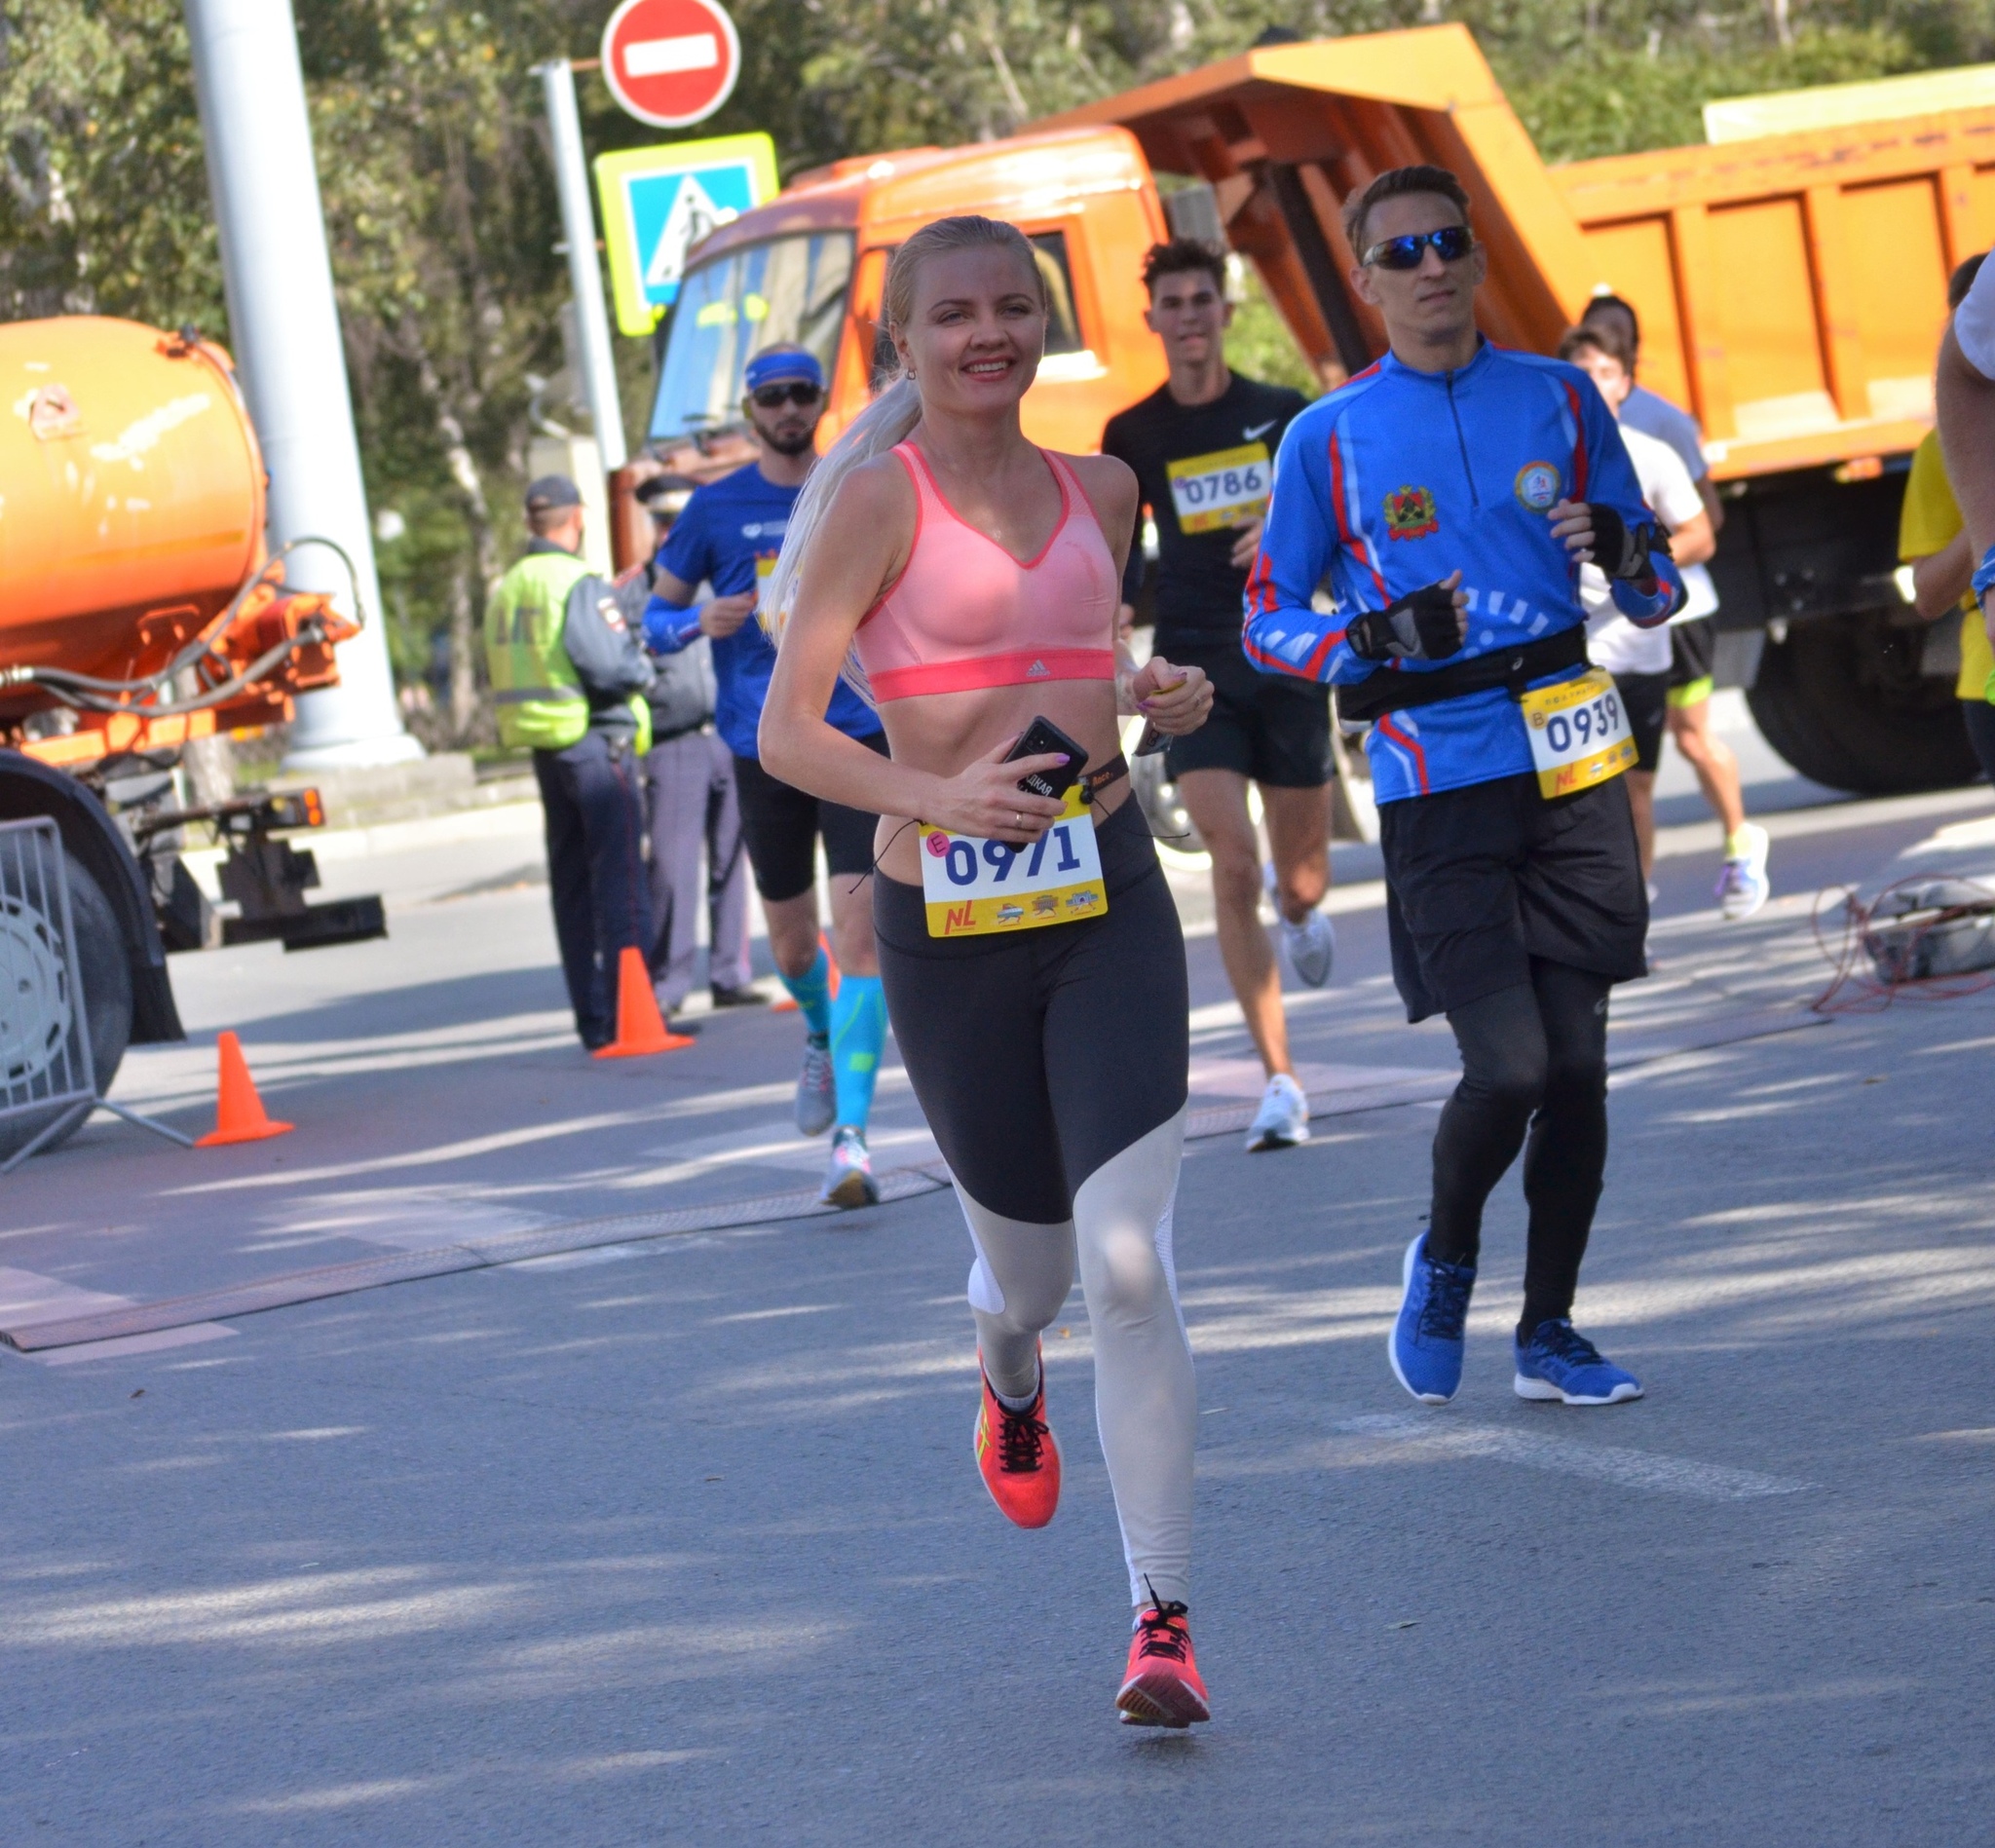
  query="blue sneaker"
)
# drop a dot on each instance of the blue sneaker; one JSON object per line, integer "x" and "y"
{"x": 1427, "y": 1341}
{"x": 1561, "y": 1363}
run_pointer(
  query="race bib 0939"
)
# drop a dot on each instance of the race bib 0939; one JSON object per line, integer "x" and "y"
{"x": 1578, "y": 731}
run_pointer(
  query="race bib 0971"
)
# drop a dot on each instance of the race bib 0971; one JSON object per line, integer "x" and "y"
{"x": 977, "y": 887}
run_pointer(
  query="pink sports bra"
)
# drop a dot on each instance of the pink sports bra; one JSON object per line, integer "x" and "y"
{"x": 966, "y": 614}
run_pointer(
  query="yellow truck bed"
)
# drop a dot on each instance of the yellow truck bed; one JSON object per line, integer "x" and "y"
{"x": 1792, "y": 287}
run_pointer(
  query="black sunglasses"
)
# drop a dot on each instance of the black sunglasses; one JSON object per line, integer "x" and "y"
{"x": 768, "y": 397}
{"x": 1451, "y": 244}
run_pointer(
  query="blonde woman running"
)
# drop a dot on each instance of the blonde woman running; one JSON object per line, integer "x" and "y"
{"x": 1034, "y": 969}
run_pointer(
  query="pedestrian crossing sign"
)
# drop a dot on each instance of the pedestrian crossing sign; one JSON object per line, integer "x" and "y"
{"x": 658, "y": 201}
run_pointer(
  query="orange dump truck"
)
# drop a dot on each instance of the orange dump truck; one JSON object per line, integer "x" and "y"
{"x": 137, "y": 612}
{"x": 1791, "y": 291}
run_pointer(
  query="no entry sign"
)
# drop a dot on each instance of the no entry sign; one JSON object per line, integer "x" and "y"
{"x": 670, "y": 62}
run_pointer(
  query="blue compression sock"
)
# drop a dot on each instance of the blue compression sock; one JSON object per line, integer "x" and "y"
{"x": 811, "y": 992}
{"x": 858, "y": 1031}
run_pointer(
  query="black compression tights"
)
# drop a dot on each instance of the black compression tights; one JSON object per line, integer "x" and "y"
{"x": 1533, "y": 1057}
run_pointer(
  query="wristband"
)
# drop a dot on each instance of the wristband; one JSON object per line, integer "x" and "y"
{"x": 1984, "y": 573}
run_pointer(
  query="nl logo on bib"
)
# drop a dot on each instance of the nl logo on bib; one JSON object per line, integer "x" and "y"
{"x": 1537, "y": 485}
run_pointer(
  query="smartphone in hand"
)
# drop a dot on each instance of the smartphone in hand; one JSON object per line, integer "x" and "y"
{"x": 1041, "y": 739}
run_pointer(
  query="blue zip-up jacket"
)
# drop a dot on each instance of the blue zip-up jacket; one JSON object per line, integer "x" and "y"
{"x": 1398, "y": 479}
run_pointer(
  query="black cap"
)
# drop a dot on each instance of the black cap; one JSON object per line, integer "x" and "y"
{"x": 552, "y": 491}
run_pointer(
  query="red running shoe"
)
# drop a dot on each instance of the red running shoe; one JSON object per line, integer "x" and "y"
{"x": 1017, "y": 1455}
{"x": 1162, "y": 1687}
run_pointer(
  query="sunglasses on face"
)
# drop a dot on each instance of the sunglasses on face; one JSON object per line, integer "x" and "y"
{"x": 1451, "y": 244}
{"x": 769, "y": 396}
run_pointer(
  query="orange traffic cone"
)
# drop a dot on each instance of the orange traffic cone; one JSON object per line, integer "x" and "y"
{"x": 640, "y": 1026}
{"x": 238, "y": 1114}
{"x": 788, "y": 1006}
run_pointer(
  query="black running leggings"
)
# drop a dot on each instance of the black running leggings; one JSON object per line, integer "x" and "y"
{"x": 1534, "y": 1056}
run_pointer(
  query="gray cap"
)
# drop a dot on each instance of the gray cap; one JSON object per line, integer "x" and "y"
{"x": 552, "y": 491}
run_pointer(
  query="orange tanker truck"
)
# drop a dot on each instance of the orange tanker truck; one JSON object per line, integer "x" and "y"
{"x": 137, "y": 612}
{"x": 1790, "y": 288}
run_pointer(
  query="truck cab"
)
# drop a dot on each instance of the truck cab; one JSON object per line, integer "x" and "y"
{"x": 810, "y": 267}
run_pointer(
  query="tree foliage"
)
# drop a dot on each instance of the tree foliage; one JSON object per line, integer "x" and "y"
{"x": 441, "y": 215}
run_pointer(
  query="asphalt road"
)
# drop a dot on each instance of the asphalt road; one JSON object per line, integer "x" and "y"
{"x": 680, "y": 1540}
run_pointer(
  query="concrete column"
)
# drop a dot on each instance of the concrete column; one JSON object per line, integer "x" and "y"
{"x": 284, "y": 333}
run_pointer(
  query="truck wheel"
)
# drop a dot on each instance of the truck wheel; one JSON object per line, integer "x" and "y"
{"x": 1841, "y": 698}
{"x": 37, "y": 1014}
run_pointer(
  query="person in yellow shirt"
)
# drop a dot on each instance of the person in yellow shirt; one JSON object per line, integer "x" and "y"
{"x": 1933, "y": 540}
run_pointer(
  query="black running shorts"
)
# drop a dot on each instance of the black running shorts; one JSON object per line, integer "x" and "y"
{"x": 1693, "y": 650}
{"x": 1479, "y": 880}
{"x": 1645, "y": 698}
{"x": 1270, "y": 727}
{"x": 780, "y": 826}
{"x": 1037, "y": 1058}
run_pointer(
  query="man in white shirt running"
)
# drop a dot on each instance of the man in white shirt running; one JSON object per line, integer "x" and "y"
{"x": 1965, "y": 397}
{"x": 1639, "y": 659}
{"x": 1743, "y": 885}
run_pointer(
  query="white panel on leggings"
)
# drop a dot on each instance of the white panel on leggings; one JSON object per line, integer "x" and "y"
{"x": 1166, "y": 1230}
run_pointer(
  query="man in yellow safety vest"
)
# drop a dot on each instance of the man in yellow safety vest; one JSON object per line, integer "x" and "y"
{"x": 569, "y": 676}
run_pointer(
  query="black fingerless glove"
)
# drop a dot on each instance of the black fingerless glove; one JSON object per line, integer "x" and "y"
{"x": 1624, "y": 551}
{"x": 1423, "y": 624}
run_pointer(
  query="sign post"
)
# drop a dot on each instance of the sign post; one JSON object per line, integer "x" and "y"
{"x": 670, "y": 62}
{"x": 658, "y": 201}
{"x": 584, "y": 277}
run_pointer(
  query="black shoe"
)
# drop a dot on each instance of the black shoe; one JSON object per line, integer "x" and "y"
{"x": 744, "y": 997}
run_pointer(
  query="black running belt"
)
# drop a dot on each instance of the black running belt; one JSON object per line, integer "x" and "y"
{"x": 1094, "y": 781}
{"x": 1512, "y": 668}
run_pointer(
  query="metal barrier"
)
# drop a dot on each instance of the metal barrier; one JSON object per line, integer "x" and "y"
{"x": 45, "y": 1050}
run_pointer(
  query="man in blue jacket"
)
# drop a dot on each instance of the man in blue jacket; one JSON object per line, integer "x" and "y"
{"x": 728, "y": 537}
{"x": 1446, "y": 497}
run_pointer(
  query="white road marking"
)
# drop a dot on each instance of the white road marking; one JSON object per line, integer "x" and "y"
{"x": 26, "y": 1296}
{"x": 1438, "y": 1435}
{"x": 402, "y": 1220}
{"x": 1216, "y": 1076}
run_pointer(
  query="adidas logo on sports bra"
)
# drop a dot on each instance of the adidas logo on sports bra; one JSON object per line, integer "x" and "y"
{"x": 1038, "y": 667}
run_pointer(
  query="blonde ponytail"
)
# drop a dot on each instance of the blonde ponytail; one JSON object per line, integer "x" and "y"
{"x": 884, "y": 423}
{"x": 888, "y": 419}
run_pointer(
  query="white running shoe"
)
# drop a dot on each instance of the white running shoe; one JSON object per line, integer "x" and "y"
{"x": 817, "y": 1101}
{"x": 1283, "y": 1120}
{"x": 1312, "y": 948}
{"x": 1743, "y": 886}
{"x": 849, "y": 1180}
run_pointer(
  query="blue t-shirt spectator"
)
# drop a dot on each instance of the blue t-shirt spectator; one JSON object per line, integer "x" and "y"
{"x": 728, "y": 537}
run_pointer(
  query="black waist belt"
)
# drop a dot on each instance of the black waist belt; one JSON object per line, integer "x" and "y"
{"x": 1512, "y": 668}
{"x": 1096, "y": 781}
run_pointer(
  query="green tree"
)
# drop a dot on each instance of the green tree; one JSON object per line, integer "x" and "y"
{"x": 441, "y": 214}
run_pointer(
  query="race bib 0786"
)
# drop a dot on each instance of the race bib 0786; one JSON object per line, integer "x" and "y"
{"x": 1222, "y": 489}
{"x": 978, "y": 888}
{"x": 1578, "y": 731}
